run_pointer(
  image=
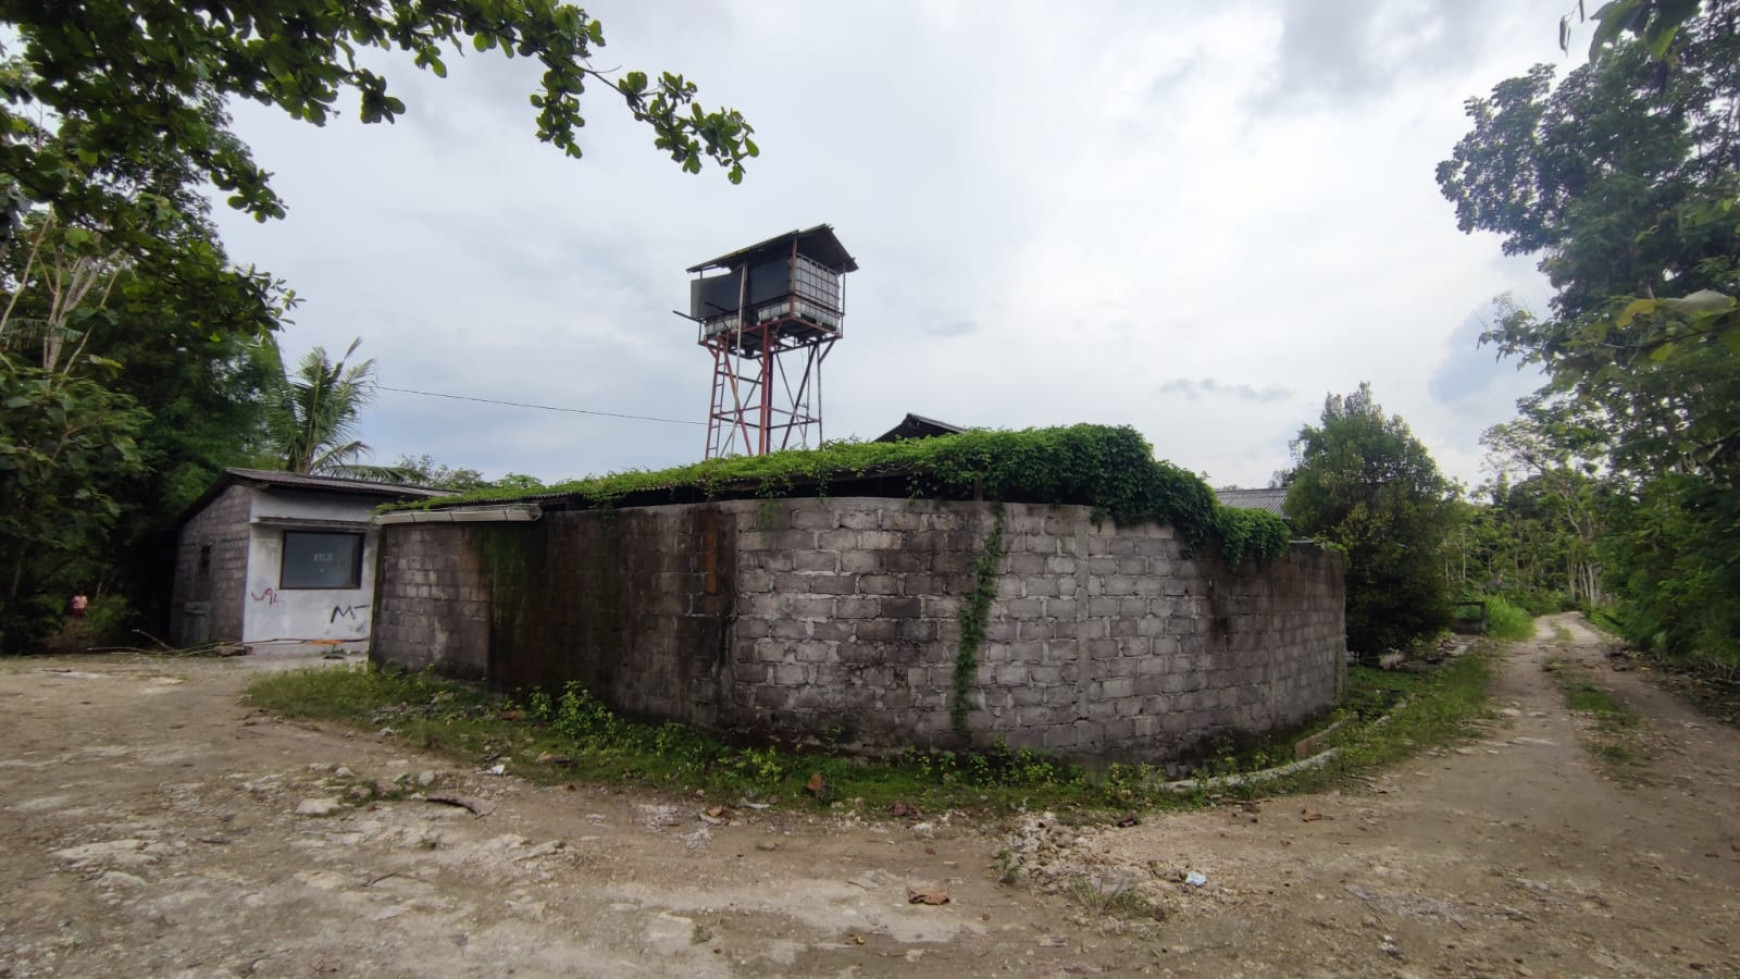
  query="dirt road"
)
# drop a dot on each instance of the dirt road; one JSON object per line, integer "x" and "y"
{"x": 150, "y": 824}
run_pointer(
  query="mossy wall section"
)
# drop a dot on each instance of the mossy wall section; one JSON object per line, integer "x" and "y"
{"x": 837, "y": 620}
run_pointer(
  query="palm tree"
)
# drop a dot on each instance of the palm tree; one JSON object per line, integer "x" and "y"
{"x": 318, "y": 415}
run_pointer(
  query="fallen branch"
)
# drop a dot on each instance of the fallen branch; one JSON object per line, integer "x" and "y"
{"x": 164, "y": 649}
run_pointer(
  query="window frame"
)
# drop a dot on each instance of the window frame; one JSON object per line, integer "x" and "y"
{"x": 356, "y": 563}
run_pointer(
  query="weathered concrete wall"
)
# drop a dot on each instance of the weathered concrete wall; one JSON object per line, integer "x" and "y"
{"x": 206, "y": 602}
{"x": 838, "y": 619}
{"x": 276, "y": 612}
{"x": 432, "y": 601}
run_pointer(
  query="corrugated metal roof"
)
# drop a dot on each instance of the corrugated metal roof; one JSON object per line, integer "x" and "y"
{"x": 268, "y": 479}
{"x": 334, "y": 484}
{"x": 818, "y": 243}
{"x": 1270, "y": 500}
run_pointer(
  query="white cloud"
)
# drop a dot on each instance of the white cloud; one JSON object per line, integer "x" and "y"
{"x": 1057, "y": 214}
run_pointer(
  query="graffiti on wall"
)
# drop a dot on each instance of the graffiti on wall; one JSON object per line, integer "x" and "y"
{"x": 269, "y": 596}
{"x": 344, "y": 612}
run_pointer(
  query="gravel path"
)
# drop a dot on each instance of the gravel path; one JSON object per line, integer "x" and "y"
{"x": 152, "y": 825}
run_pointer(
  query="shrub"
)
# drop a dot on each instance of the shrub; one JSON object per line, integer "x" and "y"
{"x": 1506, "y": 621}
{"x": 1364, "y": 483}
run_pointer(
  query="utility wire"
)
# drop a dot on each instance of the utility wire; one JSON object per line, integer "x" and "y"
{"x": 522, "y": 404}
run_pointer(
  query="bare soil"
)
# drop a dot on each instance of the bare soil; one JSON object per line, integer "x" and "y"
{"x": 152, "y": 824}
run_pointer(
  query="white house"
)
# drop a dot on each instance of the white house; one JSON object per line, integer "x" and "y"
{"x": 271, "y": 556}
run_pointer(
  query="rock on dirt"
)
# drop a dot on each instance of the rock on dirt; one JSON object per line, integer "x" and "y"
{"x": 324, "y": 806}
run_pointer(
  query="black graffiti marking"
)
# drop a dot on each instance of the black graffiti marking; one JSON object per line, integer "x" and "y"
{"x": 347, "y": 611}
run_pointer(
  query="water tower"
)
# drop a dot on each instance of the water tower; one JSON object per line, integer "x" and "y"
{"x": 769, "y": 314}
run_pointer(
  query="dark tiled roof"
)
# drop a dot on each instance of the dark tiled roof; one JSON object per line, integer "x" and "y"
{"x": 918, "y": 427}
{"x": 1270, "y": 500}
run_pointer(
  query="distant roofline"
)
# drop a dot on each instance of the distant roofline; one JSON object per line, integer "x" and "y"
{"x": 1270, "y": 499}
{"x": 341, "y": 484}
{"x": 918, "y": 426}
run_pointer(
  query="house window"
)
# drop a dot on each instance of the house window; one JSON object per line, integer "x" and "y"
{"x": 321, "y": 560}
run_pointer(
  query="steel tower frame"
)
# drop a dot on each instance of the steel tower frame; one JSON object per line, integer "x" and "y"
{"x": 768, "y": 354}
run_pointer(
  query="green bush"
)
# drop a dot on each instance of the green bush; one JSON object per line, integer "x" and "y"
{"x": 110, "y": 619}
{"x": 1365, "y": 484}
{"x": 1541, "y": 602}
{"x": 1674, "y": 577}
{"x": 1506, "y": 621}
{"x": 26, "y": 622}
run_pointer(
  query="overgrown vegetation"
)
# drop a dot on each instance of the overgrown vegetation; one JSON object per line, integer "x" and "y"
{"x": 1424, "y": 710}
{"x": 136, "y": 360}
{"x": 1110, "y": 469}
{"x": 575, "y": 737}
{"x": 1363, "y": 483}
{"x": 1623, "y": 178}
{"x": 975, "y": 616}
{"x": 1505, "y": 621}
{"x": 1533, "y": 534}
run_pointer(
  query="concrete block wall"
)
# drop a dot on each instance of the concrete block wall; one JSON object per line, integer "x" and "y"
{"x": 435, "y": 603}
{"x": 847, "y": 620}
{"x": 837, "y": 620}
{"x": 221, "y": 588}
{"x": 1103, "y": 641}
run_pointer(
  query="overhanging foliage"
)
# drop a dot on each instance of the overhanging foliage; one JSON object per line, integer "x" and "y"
{"x": 1624, "y": 179}
{"x": 1110, "y": 469}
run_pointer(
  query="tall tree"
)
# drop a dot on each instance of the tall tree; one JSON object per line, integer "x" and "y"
{"x": 1563, "y": 490}
{"x": 1625, "y": 180}
{"x": 133, "y": 78}
{"x": 423, "y": 470}
{"x": 319, "y": 414}
{"x": 65, "y": 441}
{"x": 114, "y": 133}
{"x": 1362, "y": 482}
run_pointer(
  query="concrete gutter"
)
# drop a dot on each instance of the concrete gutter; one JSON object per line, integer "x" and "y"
{"x": 501, "y": 513}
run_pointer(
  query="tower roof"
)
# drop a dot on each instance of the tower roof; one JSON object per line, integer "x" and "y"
{"x": 817, "y": 244}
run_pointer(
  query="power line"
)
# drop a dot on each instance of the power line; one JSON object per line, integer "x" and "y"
{"x": 522, "y": 404}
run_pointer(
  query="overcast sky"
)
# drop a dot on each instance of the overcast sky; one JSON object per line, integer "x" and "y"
{"x": 1197, "y": 219}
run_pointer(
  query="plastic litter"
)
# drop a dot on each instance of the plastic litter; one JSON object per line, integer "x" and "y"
{"x": 1195, "y": 879}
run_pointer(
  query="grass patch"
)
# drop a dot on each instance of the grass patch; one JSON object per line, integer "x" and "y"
{"x": 1617, "y": 738}
{"x": 1584, "y": 697}
{"x": 573, "y": 737}
{"x": 1562, "y": 635}
{"x": 1115, "y": 901}
{"x": 1606, "y": 619}
{"x": 1404, "y": 712}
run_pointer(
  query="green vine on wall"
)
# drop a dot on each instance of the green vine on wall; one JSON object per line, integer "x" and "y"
{"x": 975, "y": 617}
